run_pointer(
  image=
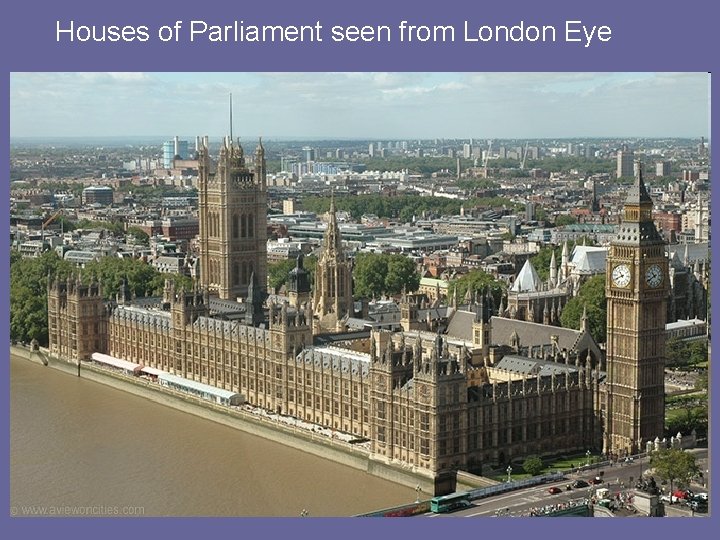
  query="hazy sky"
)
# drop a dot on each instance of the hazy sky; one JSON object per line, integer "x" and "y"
{"x": 361, "y": 105}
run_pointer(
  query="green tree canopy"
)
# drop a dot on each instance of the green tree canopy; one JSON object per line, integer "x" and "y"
{"x": 140, "y": 236}
{"x": 565, "y": 220}
{"x": 477, "y": 280}
{"x": 28, "y": 294}
{"x": 116, "y": 227}
{"x": 541, "y": 260}
{"x": 674, "y": 465}
{"x": 141, "y": 278}
{"x": 379, "y": 274}
{"x": 679, "y": 353}
{"x": 533, "y": 465}
{"x": 402, "y": 207}
{"x": 278, "y": 273}
{"x": 591, "y": 296}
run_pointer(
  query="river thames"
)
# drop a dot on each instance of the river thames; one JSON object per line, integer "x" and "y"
{"x": 77, "y": 443}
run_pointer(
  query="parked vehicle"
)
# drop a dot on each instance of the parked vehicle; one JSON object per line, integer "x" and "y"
{"x": 554, "y": 490}
{"x": 698, "y": 505}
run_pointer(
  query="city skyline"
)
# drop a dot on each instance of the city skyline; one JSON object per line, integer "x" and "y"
{"x": 361, "y": 105}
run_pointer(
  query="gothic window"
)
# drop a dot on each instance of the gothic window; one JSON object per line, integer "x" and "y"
{"x": 235, "y": 274}
{"x": 251, "y": 225}
{"x": 235, "y": 226}
{"x": 243, "y": 226}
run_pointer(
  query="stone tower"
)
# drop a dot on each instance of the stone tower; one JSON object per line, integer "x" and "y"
{"x": 298, "y": 283}
{"x": 233, "y": 220}
{"x": 637, "y": 291}
{"x": 332, "y": 295}
{"x": 77, "y": 319}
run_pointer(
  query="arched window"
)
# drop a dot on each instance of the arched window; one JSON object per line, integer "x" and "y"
{"x": 236, "y": 274}
{"x": 235, "y": 226}
{"x": 243, "y": 226}
{"x": 251, "y": 225}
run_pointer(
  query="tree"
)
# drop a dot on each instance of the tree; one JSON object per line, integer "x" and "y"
{"x": 679, "y": 353}
{"x": 477, "y": 280}
{"x": 278, "y": 273}
{"x": 140, "y": 236}
{"x": 702, "y": 381}
{"x": 533, "y": 465}
{"x": 141, "y": 278}
{"x": 565, "y": 220}
{"x": 674, "y": 465}
{"x": 591, "y": 296}
{"x": 379, "y": 274}
{"x": 28, "y": 294}
{"x": 541, "y": 260}
{"x": 401, "y": 274}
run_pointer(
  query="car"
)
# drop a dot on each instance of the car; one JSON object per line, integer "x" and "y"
{"x": 700, "y": 496}
{"x": 698, "y": 506}
{"x": 596, "y": 480}
{"x": 554, "y": 490}
{"x": 683, "y": 494}
{"x": 580, "y": 484}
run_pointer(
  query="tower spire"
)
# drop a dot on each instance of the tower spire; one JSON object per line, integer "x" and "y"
{"x": 231, "y": 118}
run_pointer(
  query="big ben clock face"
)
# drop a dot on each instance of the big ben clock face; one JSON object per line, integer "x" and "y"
{"x": 654, "y": 276}
{"x": 621, "y": 275}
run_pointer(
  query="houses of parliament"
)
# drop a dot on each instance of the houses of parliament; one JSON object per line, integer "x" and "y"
{"x": 471, "y": 392}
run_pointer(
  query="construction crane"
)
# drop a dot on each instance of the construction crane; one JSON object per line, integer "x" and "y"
{"x": 48, "y": 222}
{"x": 487, "y": 157}
{"x": 525, "y": 153}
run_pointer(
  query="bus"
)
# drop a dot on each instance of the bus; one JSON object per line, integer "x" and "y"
{"x": 448, "y": 503}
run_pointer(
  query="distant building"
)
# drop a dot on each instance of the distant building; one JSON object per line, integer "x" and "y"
{"x": 102, "y": 195}
{"x": 174, "y": 149}
{"x": 662, "y": 168}
{"x": 625, "y": 162}
{"x": 309, "y": 154}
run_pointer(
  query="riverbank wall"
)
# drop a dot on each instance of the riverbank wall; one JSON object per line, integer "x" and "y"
{"x": 304, "y": 440}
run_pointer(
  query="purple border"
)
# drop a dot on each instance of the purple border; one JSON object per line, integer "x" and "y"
{"x": 647, "y": 37}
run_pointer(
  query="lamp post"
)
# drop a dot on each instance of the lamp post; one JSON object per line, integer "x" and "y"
{"x": 418, "y": 489}
{"x": 304, "y": 513}
{"x": 509, "y": 471}
{"x": 587, "y": 455}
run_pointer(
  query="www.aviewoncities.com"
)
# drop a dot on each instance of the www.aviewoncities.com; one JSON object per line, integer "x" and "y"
{"x": 239, "y": 32}
{"x": 74, "y": 510}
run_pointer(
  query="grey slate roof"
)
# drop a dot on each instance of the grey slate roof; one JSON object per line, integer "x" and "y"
{"x": 460, "y": 325}
{"x": 534, "y": 334}
{"x": 533, "y": 366}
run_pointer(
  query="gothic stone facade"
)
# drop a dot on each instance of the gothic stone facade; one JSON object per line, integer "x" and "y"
{"x": 420, "y": 398}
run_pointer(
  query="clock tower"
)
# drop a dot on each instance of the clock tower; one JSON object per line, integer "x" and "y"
{"x": 637, "y": 289}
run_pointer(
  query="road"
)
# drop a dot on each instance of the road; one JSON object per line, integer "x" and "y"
{"x": 618, "y": 479}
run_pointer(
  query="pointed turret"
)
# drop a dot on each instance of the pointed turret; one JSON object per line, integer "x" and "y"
{"x": 527, "y": 280}
{"x": 584, "y": 321}
{"x": 254, "y": 303}
{"x": 553, "y": 270}
{"x": 332, "y": 241}
{"x": 564, "y": 259}
{"x": 638, "y": 194}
